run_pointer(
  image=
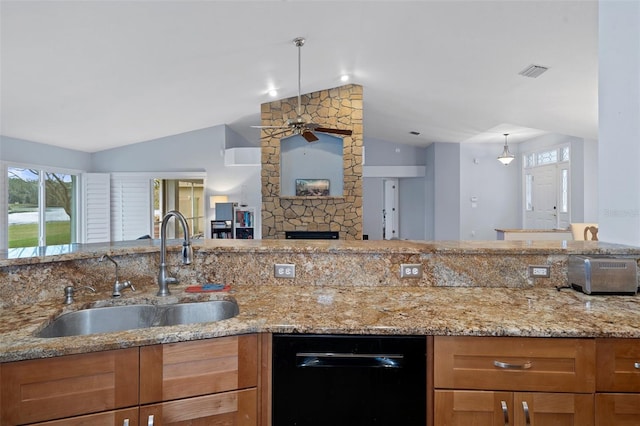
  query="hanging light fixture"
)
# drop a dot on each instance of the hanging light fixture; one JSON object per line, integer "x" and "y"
{"x": 506, "y": 157}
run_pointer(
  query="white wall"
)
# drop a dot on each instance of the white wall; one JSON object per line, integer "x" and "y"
{"x": 619, "y": 126}
{"x": 489, "y": 191}
{"x": 199, "y": 150}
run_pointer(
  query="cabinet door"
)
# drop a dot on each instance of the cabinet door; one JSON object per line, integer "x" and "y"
{"x": 237, "y": 408}
{"x": 618, "y": 365}
{"x": 557, "y": 409}
{"x": 54, "y": 388}
{"x": 472, "y": 408}
{"x": 615, "y": 409}
{"x": 185, "y": 369}
{"x": 126, "y": 417}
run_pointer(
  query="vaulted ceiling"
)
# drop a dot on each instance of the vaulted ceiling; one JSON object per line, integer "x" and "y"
{"x": 93, "y": 75}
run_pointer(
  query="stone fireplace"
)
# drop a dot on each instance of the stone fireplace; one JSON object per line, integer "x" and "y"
{"x": 340, "y": 107}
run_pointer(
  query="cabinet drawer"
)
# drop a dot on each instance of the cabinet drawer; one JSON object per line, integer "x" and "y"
{"x": 53, "y": 388}
{"x": 617, "y": 409}
{"x": 127, "y": 416}
{"x": 201, "y": 367}
{"x": 618, "y": 362}
{"x": 514, "y": 363}
{"x": 237, "y": 408}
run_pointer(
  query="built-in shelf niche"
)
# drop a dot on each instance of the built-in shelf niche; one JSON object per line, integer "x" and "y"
{"x": 321, "y": 159}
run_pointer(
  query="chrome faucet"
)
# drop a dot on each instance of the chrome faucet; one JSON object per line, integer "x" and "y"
{"x": 117, "y": 285}
{"x": 164, "y": 279}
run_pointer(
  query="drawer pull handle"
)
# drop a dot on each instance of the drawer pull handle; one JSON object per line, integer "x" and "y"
{"x": 637, "y": 365}
{"x": 505, "y": 412}
{"x": 150, "y": 420}
{"x": 507, "y": 366}
{"x": 525, "y": 408}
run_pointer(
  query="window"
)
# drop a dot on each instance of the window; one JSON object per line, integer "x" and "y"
{"x": 41, "y": 207}
{"x": 547, "y": 157}
{"x": 528, "y": 192}
{"x": 564, "y": 189}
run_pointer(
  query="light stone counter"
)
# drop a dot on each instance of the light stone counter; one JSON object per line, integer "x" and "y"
{"x": 537, "y": 312}
{"x": 468, "y": 288}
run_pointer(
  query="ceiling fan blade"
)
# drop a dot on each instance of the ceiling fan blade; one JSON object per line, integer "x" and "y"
{"x": 269, "y": 127}
{"x": 271, "y": 135}
{"x": 309, "y": 136}
{"x": 336, "y": 131}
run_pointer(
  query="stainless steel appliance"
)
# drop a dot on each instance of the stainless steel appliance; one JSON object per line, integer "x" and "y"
{"x": 603, "y": 274}
{"x": 322, "y": 380}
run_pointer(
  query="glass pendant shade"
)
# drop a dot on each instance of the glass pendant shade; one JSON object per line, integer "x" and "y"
{"x": 506, "y": 157}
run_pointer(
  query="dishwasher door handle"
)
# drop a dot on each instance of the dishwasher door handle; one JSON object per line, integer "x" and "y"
{"x": 337, "y": 359}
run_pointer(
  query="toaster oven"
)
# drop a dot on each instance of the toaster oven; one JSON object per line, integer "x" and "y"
{"x": 603, "y": 274}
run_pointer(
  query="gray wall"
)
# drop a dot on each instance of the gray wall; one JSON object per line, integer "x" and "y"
{"x": 322, "y": 159}
{"x": 411, "y": 191}
{"x": 489, "y": 192}
{"x": 199, "y": 150}
{"x": 34, "y": 153}
{"x": 446, "y": 200}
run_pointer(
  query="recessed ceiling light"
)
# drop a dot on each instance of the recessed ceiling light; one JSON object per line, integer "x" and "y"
{"x": 344, "y": 77}
{"x": 273, "y": 93}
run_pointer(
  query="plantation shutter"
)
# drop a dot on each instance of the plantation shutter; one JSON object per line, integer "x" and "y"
{"x": 96, "y": 209}
{"x": 131, "y": 212}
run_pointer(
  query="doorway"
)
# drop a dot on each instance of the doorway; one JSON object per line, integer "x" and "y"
{"x": 390, "y": 210}
{"x": 547, "y": 194}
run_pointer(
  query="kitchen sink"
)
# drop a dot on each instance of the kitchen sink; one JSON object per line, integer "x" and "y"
{"x": 130, "y": 317}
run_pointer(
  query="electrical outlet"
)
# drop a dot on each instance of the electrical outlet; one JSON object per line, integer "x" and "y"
{"x": 542, "y": 271}
{"x": 284, "y": 270}
{"x": 410, "y": 270}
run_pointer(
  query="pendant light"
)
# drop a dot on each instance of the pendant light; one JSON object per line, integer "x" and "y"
{"x": 506, "y": 157}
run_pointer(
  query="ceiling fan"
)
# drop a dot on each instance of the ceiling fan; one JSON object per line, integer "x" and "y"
{"x": 298, "y": 125}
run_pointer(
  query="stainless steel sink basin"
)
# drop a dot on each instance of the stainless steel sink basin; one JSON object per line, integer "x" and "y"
{"x": 120, "y": 318}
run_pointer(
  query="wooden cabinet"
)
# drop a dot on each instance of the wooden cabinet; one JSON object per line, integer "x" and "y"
{"x": 514, "y": 381}
{"x": 192, "y": 375}
{"x": 52, "y": 388}
{"x": 618, "y": 382}
{"x": 512, "y": 408}
{"x": 238, "y": 408}
{"x": 211, "y": 381}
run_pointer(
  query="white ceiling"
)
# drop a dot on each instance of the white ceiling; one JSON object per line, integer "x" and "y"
{"x": 92, "y": 75}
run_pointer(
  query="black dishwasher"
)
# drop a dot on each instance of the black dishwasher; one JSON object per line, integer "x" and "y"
{"x": 346, "y": 380}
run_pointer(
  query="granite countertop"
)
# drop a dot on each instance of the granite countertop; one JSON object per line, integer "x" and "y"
{"x": 536, "y": 312}
{"x": 533, "y": 230}
{"x": 61, "y": 253}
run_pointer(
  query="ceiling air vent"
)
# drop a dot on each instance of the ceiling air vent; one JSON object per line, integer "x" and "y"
{"x": 533, "y": 71}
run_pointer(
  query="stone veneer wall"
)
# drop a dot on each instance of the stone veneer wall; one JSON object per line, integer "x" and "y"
{"x": 340, "y": 108}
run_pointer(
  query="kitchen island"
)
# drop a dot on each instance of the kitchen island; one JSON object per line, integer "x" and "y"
{"x": 467, "y": 288}
{"x": 473, "y": 300}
